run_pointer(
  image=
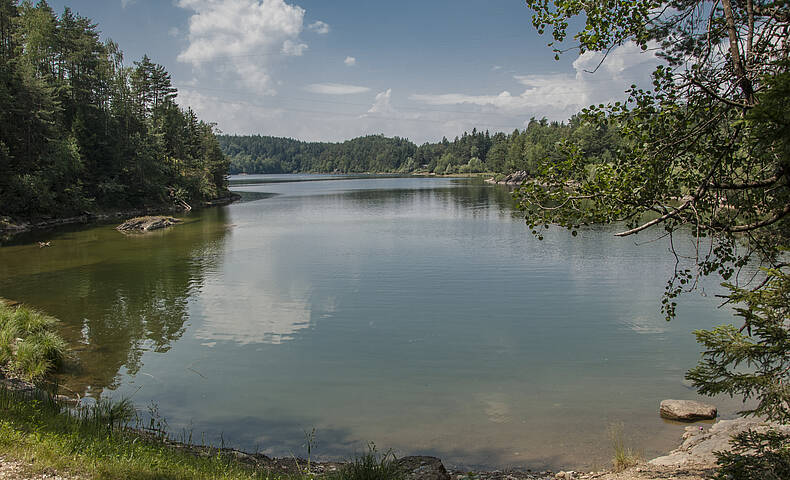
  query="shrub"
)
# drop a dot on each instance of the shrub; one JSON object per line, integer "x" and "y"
{"x": 756, "y": 456}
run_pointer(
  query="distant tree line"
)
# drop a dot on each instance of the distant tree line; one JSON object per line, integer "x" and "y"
{"x": 478, "y": 151}
{"x": 79, "y": 130}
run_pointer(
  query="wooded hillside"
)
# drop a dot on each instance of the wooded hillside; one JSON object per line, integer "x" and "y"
{"x": 80, "y": 130}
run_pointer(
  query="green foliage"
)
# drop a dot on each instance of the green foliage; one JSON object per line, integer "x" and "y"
{"x": 474, "y": 152}
{"x": 756, "y": 456}
{"x": 689, "y": 157}
{"x": 705, "y": 149}
{"x": 28, "y": 344}
{"x": 752, "y": 361}
{"x": 79, "y": 130}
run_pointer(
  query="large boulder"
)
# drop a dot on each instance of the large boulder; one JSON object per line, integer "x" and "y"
{"x": 146, "y": 224}
{"x": 422, "y": 468}
{"x": 687, "y": 410}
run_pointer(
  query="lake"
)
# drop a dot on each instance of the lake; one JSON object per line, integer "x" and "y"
{"x": 416, "y": 313}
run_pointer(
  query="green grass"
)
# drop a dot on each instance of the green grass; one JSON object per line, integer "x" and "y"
{"x": 94, "y": 444}
{"x": 29, "y": 346}
{"x": 371, "y": 466}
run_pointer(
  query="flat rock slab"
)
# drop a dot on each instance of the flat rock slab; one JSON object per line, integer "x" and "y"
{"x": 422, "y": 468}
{"x": 146, "y": 224}
{"x": 699, "y": 443}
{"x": 687, "y": 410}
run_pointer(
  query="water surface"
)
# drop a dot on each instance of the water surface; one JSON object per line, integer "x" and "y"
{"x": 418, "y": 313}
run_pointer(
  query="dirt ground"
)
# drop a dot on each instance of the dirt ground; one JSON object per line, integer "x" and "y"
{"x": 13, "y": 469}
{"x": 18, "y": 470}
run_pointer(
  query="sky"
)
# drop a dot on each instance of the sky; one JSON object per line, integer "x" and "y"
{"x": 320, "y": 70}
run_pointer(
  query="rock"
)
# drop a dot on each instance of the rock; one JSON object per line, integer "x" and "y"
{"x": 687, "y": 410}
{"x": 67, "y": 400}
{"x": 146, "y": 224}
{"x": 423, "y": 468}
{"x": 700, "y": 443}
{"x": 516, "y": 178}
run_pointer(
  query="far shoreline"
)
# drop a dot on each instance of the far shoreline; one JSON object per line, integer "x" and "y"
{"x": 11, "y": 227}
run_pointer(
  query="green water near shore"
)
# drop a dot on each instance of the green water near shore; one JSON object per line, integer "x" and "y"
{"x": 418, "y": 313}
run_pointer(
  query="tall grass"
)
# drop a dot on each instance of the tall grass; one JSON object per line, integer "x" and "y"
{"x": 624, "y": 456}
{"x": 93, "y": 442}
{"x": 29, "y": 346}
{"x": 371, "y": 466}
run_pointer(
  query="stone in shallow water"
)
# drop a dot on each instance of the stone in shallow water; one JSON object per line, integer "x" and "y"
{"x": 687, "y": 410}
{"x": 145, "y": 224}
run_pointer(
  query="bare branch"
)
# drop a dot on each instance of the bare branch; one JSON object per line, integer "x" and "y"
{"x": 656, "y": 221}
{"x": 764, "y": 223}
{"x": 745, "y": 186}
{"x": 719, "y": 97}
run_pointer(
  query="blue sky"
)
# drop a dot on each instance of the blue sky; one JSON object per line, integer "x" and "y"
{"x": 333, "y": 70}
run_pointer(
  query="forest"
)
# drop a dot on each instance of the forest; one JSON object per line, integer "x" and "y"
{"x": 81, "y": 131}
{"x": 522, "y": 150}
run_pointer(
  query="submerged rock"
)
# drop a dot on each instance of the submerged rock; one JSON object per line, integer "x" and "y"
{"x": 423, "y": 468}
{"x": 146, "y": 224}
{"x": 687, "y": 410}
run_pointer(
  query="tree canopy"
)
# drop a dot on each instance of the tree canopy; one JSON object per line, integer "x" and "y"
{"x": 706, "y": 149}
{"x": 79, "y": 130}
{"x": 472, "y": 152}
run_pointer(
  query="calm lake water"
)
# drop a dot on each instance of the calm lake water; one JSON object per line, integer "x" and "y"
{"x": 417, "y": 313}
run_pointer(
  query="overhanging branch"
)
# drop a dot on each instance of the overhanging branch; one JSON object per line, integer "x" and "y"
{"x": 754, "y": 226}
{"x": 656, "y": 221}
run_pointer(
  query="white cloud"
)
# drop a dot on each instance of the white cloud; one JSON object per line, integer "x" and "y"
{"x": 383, "y": 103}
{"x": 322, "y": 28}
{"x": 173, "y": 31}
{"x": 560, "y": 95}
{"x": 421, "y": 118}
{"x": 294, "y": 49}
{"x": 126, "y": 3}
{"x": 335, "y": 89}
{"x": 244, "y": 34}
{"x": 350, "y": 61}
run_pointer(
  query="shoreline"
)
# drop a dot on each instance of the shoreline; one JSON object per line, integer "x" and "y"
{"x": 9, "y": 228}
{"x": 693, "y": 459}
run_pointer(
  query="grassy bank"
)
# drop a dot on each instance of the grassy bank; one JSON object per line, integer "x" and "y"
{"x": 96, "y": 442}
{"x": 93, "y": 444}
{"x": 29, "y": 346}
{"x": 89, "y": 441}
